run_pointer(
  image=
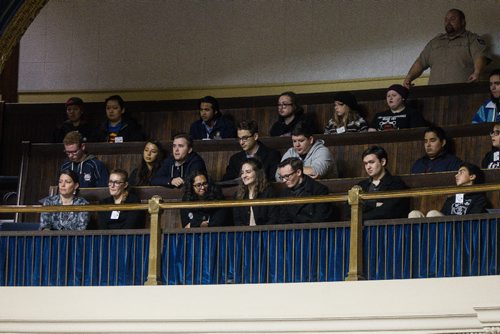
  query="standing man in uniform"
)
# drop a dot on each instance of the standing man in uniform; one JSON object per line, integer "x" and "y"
{"x": 455, "y": 56}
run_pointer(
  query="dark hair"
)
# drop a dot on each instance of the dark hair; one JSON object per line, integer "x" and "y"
{"x": 295, "y": 163}
{"x": 293, "y": 99}
{"x": 212, "y": 100}
{"x": 438, "y": 131}
{"x": 495, "y": 71}
{"x": 70, "y": 173}
{"x": 261, "y": 182}
{"x": 474, "y": 170}
{"x": 250, "y": 126}
{"x": 213, "y": 192}
{"x": 379, "y": 152}
{"x": 144, "y": 174}
{"x": 185, "y": 136}
{"x": 302, "y": 129}
{"x": 459, "y": 12}
{"x": 116, "y": 98}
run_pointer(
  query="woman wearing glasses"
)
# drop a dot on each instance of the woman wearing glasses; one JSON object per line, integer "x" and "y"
{"x": 199, "y": 187}
{"x": 254, "y": 185}
{"x": 70, "y": 221}
{"x": 290, "y": 114}
{"x": 118, "y": 189}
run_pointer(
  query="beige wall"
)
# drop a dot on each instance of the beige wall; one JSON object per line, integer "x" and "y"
{"x": 451, "y": 305}
{"x": 95, "y": 45}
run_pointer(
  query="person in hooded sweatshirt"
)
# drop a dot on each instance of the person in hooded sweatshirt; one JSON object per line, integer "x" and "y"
{"x": 177, "y": 167}
{"x": 91, "y": 171}
{"x": 316, "y": 157}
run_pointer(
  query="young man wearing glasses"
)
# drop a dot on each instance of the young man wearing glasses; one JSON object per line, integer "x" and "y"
{"x": 492, "y": 158}
{"x": 251, "y": 147}
{"x": 298, "y": 184}
{"x": 91, "y": 171}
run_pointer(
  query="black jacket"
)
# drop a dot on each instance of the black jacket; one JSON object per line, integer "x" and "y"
{"x": 130, "y": 131}
{"x": 223, "y": 128}
{"x": 269, "y": 157}
{"x": 215, "y": 216}
{"x": 306, "y": 213}
{"x": 472, "y": 203}
{"x": 280, "y": 128}
{"x": 85, "y": 129}
{"x": 492, "y": 159}
{"x": 169, "y": 170}
{"x": 391, "y": 207}
{"x": 264, "y": 215}
{"x": 124, "y": 219}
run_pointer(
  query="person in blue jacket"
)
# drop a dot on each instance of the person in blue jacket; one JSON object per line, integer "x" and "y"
{"x": 490, "y": 110}
{"x": 176, "y": 167}
{"x": 212, "y": 124}
{"x": 436, "y": 158}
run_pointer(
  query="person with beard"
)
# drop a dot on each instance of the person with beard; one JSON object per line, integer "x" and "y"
{"x": 298, "y": 184}
{"x": 490, "y": 110}
{"x": 455, "y": 56}
{"x": 212, "y": 124}
{"x": 463, "y": 203}
{"x": 199, "y": 187}
{"x": 180, "y": 164}
{"x": 492, "y": 158}
{"x": 436, "y": 158}
{"x": 399, "y": 116}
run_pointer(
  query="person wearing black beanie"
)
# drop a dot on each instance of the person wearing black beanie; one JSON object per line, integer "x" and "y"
{"x": 346, "y": 117}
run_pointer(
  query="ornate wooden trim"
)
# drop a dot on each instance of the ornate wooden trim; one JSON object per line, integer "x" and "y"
{"x": 17, "y": 27}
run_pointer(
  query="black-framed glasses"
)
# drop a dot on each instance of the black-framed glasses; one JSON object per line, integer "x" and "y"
{"x": 115, "y": 183}
{"x": 200, "y": 185}
{"x": 286, "y": 177}
{"x": 284, "y": 105}
{"x": 495, "y": 133}
{"x": 244, "y": 138}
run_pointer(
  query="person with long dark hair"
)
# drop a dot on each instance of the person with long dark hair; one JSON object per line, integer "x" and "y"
{"x": 253, "y": 185}
{"x": 67, "y": 190}
{"x": 152, "y": 157}
{"x": 199, "y": 187}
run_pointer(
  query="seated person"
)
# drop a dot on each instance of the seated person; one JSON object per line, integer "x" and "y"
{"x": 118, "y": 189}
{"x": 253, "y": 184}
{"x": 490, "y": 110}
{"x": 69, "y": 221}
{"x": 212, "y": 124}
{"x": 398, "y": 116}
{"x": 117, "y": 128}
{"x": 492, "y": 158}
{"x": 465, "y": 203}
{"x": 290, "y": 114}
{"x": 176, "y": 167}
{"x": 298, "y": 184}
{"x": 74, "y": 111}
{"x": 152, "y": 156}
{"x": 436, "y": 158}
{"x": 248, "y": 137}
{"x": 346, "y": 116}
{"x": 91, "y": 171}
{"x": 199, "y": 187}
{"x": 380, "y": 179}
{"x": 317, "y": 158}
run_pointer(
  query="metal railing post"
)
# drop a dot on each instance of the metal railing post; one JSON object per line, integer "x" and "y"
{"x": 356, "y": 244}
{"x": 154, "y": 242}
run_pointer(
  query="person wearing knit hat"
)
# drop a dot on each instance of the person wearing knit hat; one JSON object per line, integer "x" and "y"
{"x": 75, "y": 121}
{"x": 346, "y": 117}
{"x": 398, "y": 116}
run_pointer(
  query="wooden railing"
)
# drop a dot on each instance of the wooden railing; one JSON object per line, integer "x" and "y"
{"x": 355, "y": 197}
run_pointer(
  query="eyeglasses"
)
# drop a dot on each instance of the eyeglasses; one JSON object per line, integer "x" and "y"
{"x": 200, "y": 185}
{"x": 495, "y": 133}
{"x": 72, "y": 152}
{"x": 287, "y": 176}
{"x": 244, "y": 138}
{"x": 284, "y": 105}
{"x": 115, "y": 183}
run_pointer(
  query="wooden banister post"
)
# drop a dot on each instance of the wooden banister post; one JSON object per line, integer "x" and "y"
{"x": 356, "y": 244}
{"x": 154, "y": 242}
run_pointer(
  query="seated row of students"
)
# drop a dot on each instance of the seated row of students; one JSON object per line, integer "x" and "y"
{"x": 253, "y": 184}
{"x": 214, "y": 125}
